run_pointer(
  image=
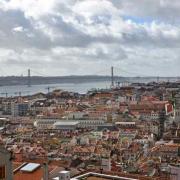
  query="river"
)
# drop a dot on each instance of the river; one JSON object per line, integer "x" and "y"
{"x": 73, "y": 87}
{"x": 25, "y": 90}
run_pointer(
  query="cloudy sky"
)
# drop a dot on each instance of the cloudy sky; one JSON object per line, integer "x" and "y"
{"x": 65, "y": 37}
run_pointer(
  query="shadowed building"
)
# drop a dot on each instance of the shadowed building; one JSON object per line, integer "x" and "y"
{"x": 6, "y": 171}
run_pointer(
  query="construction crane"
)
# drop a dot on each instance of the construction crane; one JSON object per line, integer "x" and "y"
{"x": 5, "y": 93}
{"x": 19, "y": 93}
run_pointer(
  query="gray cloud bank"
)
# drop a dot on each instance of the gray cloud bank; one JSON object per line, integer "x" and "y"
{"x": 60, "y": 37}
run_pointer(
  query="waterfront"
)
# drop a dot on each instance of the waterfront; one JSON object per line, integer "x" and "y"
{"x": 74, "y": 87}
{"x": 25, "y": 90}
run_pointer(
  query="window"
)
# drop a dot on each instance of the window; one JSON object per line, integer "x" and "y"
{"x": 2, "y": 172}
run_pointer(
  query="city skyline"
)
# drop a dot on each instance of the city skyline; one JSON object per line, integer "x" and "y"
{"x": 76, "y": 37}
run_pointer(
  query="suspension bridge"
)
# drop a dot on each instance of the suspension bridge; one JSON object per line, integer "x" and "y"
{"x": 114, "y": 76}
{"x": 111, "y": 72}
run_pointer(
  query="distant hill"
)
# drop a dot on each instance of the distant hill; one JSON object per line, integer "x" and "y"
{"x": 35, "y": 80}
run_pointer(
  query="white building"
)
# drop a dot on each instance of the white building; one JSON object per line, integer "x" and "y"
{"x": 90, "y": 123}
{"x": 76, "y": 115}
{"x": 177, "y": 114}
{"x": 174, "y": 172}
{"x": 45, "y": 123}
{"x": 106, "y": 164}
{"x": 63, "y": 175}
{"x": 150, "y": 116}
{"x": 19, "y": 109}
{"x": 66, "y": 125}
{"x": 80, "y": 123}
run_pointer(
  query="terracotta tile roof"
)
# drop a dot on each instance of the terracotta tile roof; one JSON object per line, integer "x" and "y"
{"x": 79, "y": 149}
{"x": 166, "y": 148}
{"x": 35, "y": 175}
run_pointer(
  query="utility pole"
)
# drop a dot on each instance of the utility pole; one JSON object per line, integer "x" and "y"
{"x": 29, "y": 78}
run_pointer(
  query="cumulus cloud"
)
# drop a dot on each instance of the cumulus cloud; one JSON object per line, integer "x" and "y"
{"x": 18, "y": 29}
{"x": 87, "y": 37}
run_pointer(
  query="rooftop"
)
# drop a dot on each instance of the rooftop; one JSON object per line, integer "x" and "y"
{"x": 66, "y": 123}
{"x": 94, "y": 176}
{"x": 30, "y": 167}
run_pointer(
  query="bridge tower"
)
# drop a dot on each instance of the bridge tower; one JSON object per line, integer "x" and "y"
{"x": 29, "y": 78}
{"x": 112, "y": 76}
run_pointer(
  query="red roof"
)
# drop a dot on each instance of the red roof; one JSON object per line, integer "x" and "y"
{"x": 35, "y": 175}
